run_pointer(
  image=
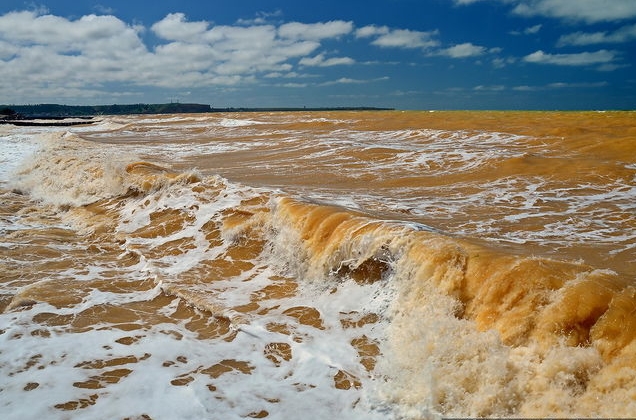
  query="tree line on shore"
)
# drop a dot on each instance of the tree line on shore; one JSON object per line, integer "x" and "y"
{"x": 52, "y": 111}
{"x": 65, "y": 111}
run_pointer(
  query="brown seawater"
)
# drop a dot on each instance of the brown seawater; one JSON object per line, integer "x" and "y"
{"x": 343, "y": 264}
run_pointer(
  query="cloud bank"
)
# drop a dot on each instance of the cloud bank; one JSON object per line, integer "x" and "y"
{"x": 101, "y": 56}
{"x": 46, "y": 55}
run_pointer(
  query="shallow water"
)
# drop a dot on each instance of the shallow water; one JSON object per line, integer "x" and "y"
{"x": 340, "y": 264}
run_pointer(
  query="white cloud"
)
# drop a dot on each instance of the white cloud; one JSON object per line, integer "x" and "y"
{"x": 493, "y": 88}
{"x": 582, "y": 38}
{"x": 7, "y": 50}
{"x": 350, "y": 81}
{"x": 407, "y": 39}
{"x": 261, "y": 18}
{"x": 532, "y": 29}
{"x": 51, "y": 55}
{"x": 371, "y": 30}
{"x": 294, "y": 85}
{"x": 344, "y": 80}
{"x": 464, "y": 50}
{"x": 624, "y": 34}
{"x": 582, "y": 10}
{"x": 101, "y": 9}
{"x": 39, "y": 52}
{"x": 404, "y": 38}
{"x": 524, "y": 88}
{"x": 590, "y": 11}
{"x": 315, "y": 31}
{"x": 42, "y": 55}
{"x": 578, "y": 59}
{"x": 175, "y": 27}
{"x": 241, "y": 50}
{"x": 320, "y": 61}
{"x": 89, "y": 33}
{"x": 398, "y": 38}
{"x": 611, "y": 67}
{"x": 500, "y": 62}
{"x": 288, "y": 75}
{"x": 560, "y": 85}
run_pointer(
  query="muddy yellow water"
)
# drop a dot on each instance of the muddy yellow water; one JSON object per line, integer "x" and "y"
{"x": 346, "y": 264}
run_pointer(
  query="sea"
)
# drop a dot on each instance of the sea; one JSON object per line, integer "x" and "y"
{"x": 325, "y": 264}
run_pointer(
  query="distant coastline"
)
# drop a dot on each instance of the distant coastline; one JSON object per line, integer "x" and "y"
{"x": 56, "y": 111}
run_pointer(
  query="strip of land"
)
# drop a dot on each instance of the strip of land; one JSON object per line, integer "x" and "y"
{"x": 56, "y": 111}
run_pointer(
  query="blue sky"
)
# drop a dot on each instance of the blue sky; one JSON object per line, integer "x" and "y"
{"x": 405, "y": 54}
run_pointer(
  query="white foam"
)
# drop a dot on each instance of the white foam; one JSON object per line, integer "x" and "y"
{"x": 234, "y": 122}
{"x": 164, "y": 352}
{"x": 15, "y": 147}
{"x": 66, "y": 171}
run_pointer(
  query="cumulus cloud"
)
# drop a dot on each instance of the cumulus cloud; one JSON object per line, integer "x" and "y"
{"x": 52, "y": 54}
{"x": 492, "y": 88}
{"x": 321, "y": 61}
{"x": 500, "y": 62}
{"x": 344, "y": 80}
{"x": 86, "y": 54}
{"x": 532, "y": 29}
{"x": 583, "y": 10}
{"x": 315, "y": 31}
{"x": 561, "y": 85}
{"x": 524, "y": 88}
{"x": 624, "y": 34}
{"x": 89, "y": 33}
{"x": 407, "y": 39}
{"x": 589, "y": 11}
{"x": 48, "y": 56}
{"x": 464, "y": 50}
{"x": 175, "y": 27}
{"x": 578, "y": 59}
{"x": 350, "y": 81}
{"x": 398, "y": 38}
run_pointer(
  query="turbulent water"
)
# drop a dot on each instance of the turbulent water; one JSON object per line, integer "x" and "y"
{"x": 351, "y": 265}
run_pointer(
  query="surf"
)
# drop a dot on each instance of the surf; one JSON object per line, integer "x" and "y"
{"x": 255, "y": 301}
